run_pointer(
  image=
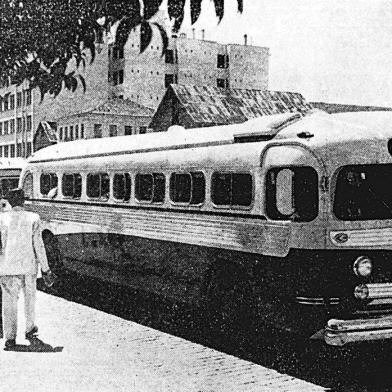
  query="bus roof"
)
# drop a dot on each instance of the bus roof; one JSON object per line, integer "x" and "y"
{"x": 275, "y": 127}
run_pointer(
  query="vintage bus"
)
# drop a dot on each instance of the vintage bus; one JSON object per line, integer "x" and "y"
{"x": 285, "y": 218}
{"x": 10, "y": 169}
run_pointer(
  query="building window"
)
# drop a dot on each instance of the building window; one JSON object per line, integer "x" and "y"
{"x": 65, "y": 133}
{"x": 122, "y": 186}
{"x": 231, "y": 189}
{"x": 5, "y": 127}
{"x": 82, "y": 131}
{"x": 97, "y": 130}
{"x": 28, "y": 149}
{"x": 61, "y": 133}
{"x": 1, "y": 151}
{"x": 72, "y": 185}
{"x": 98, "y": 186}
{"x": 222, "y": 83}
{"x": 6, "y": 148}
{"x": 19, "y": 150}
{"x": 170, "y": 79}
{"x": 118, "y": 77}
{"x": 223, "y": 61}
{"x": 150, "y": 187}
{"x": 118, "y": 53}
{"x": 76, "y": 131}
{"x": 127, "y": 130}
{"x": 28, "y": 124}
{"x": 48, "y": 181}
{"x": 5, "y": 102}
{"x": 12, "y": 101}
{"x": 112, "y": 130}
{"x": 71, "y": 132}
{"x": 1, "y": 128}
{"x": 142, "y": 130}
{"x": 12, "y": 126}
{"x": 19, "y": 124}
{"x": 187, "y": 188}
{"x": 169, "y": 56}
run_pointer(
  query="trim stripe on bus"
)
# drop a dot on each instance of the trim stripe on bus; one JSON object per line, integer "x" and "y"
{"x": 152, "y": 208}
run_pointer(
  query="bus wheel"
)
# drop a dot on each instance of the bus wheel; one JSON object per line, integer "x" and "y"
{"x": 227, "y": 297}
{"x": 52, "y": 252}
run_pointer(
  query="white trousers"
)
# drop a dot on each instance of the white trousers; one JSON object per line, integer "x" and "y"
{"x": 10, "y": 286}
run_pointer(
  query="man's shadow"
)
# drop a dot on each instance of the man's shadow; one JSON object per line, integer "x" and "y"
{"x": 36, "y": 346}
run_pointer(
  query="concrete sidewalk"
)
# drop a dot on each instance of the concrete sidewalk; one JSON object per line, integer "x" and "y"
{"x": 83, "y": 349}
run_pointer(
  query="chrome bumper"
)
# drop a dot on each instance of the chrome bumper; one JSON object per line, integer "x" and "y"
{"x": 341, "y": 332}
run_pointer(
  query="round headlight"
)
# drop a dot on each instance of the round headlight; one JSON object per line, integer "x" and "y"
{"x": 362, "y": 266}
{"x": 361, "y": 292}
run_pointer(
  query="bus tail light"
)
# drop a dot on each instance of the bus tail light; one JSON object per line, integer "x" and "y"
{"x": 361, "y": 292}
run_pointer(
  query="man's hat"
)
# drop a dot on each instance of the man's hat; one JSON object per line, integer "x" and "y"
{"x": 15, "y": 197}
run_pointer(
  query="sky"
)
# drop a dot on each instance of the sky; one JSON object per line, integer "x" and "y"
{"x": 336, "y": 51}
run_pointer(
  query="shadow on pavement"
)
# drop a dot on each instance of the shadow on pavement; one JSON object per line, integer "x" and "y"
{"x": 36, "y": 346}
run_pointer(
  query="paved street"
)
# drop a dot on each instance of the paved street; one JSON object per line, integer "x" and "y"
{"x": 83, "y": 349}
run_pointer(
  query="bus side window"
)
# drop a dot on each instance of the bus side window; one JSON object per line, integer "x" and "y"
{"x": 150, "y": 187}
{"x": 232, "y": 189}
{"x": 72, "y": 185}
{"x": 122, "y": 186}
{"x": 292, "y": 194}
{"x": 48, "y": 181}
{"x": 28, "y": 185}
{"x": 98, "y": 186}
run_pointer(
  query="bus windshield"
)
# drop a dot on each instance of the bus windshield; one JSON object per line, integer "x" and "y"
{"x": 364, "y": 192}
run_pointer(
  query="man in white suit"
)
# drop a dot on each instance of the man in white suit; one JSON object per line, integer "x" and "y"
{"x": 22, "y": 251}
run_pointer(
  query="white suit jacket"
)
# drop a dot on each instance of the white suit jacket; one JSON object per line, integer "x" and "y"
{"x": 22, "y": 245}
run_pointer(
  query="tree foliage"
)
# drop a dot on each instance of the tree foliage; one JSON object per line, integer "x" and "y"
{"x": 38, "y": 38}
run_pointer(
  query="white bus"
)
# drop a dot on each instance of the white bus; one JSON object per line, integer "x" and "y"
{"x": 287, "y": 218}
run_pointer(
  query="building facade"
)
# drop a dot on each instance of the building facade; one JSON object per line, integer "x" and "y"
{"x": 115, "y": 117}
{"x": 144, "y": 77}
{"x": 129, "y": 75}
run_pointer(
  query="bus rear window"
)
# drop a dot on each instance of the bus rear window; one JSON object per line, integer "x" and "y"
{"x": 292, "y": 194}
{"x": 7, "y": 184}
{"x": 362, "y": 192}
{"x": 231, "y": 189}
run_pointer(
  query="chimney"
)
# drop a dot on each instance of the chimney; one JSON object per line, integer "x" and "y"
{"x": 245, "y": 39}
{"x": 202, "y": 34}
{"x": 193, "y": 33}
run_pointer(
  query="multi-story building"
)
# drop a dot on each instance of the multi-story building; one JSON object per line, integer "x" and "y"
{"x": 144, "y": 77}
{"x": 140, "y": 77}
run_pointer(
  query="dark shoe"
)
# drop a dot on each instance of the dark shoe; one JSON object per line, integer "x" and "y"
{"x": 32, "y": 333}
{"x": 9, "y": 344}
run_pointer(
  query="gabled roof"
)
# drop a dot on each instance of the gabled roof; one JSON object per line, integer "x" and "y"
{"x": 206, "y": 104}
{"x": 118, "y": 106}
{"x": 123, "y": 107}
{"x": 49, "y": 128}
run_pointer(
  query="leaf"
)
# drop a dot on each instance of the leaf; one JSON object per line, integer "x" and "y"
{"x": 125, "y": 27}
{"x": 219, "y": 8}
{"x": 175, "y": 9}
{"x": 165, "y": 40}
{"x": 196, "y": 9}
{"x": 145, "y": 36}
{"x": 151, "y": 7}
{"x": 83, "y": 82}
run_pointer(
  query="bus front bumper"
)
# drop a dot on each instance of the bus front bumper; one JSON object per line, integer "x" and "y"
{"x": 341, "y": 332}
